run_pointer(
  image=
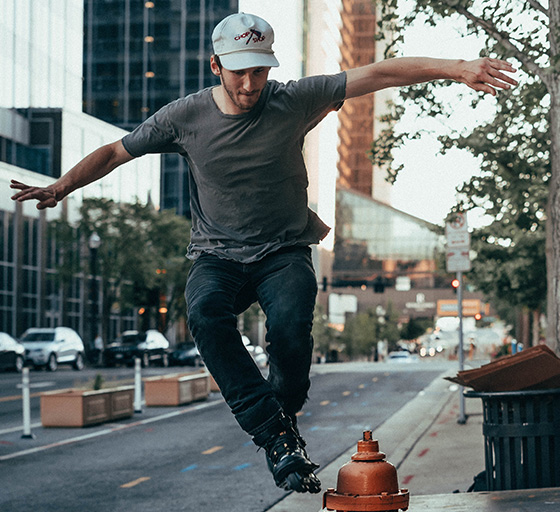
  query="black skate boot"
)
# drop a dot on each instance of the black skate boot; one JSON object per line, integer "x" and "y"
{"x": 288, "y": 461}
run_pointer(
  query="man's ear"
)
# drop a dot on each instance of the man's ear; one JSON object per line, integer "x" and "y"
{"x": 214, "y": 67}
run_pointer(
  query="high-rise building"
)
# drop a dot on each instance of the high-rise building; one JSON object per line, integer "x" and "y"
{"x": 43, "y": 133}
{"x": 358, "y": 117}
{"x": 141, "y": 55}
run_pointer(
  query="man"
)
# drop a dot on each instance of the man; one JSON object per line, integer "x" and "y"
{"x": 251, "y": 227}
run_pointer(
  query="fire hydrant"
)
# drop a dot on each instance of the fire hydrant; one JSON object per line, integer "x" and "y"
{"x": 367, "y": 483}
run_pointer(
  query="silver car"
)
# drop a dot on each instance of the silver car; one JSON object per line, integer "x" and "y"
{"x": 49, "y": 347}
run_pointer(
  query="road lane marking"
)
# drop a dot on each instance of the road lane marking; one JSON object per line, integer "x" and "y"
{"x": 106, "y": 431}
{"x": 212, "y": 450}
{"x": 375, "y": 379}
{"x": 135, "y": 482}
{"x": 15, "y": 429}
{"x": 346, "y": 393}
{"x": 242, "y": 466}
{"x": 325, "y": 402}
{"x": 361, "y": 386}
{"x": 43, "y": 384}
{"x": 189, "y": 468}
{"x": 13, "y": 398}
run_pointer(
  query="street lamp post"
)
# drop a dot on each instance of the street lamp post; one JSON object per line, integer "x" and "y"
{"x": 94, "y": 242}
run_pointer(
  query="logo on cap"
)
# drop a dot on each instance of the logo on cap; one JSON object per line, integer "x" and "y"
{"x": 257, "y": 39}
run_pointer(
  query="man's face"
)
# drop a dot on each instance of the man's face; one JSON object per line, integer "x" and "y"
{"x": 243, "y": 87}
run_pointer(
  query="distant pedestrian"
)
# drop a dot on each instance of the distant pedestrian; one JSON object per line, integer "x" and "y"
{"x": 251, "y": 225}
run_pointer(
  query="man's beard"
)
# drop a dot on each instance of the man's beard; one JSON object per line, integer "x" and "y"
{"x": 235, "y": 101}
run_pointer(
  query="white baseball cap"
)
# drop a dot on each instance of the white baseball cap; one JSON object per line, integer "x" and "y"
{"x": 244, "y": 41}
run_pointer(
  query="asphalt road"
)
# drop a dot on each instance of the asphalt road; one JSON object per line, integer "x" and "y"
{"x": 191, "y": 458}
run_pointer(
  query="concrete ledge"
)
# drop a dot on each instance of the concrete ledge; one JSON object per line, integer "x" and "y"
{"x": 529, "y": 500}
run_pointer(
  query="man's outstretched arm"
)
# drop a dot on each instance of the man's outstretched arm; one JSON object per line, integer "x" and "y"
{"x": 93, "y": 167}
{"x": 484, "y": 74}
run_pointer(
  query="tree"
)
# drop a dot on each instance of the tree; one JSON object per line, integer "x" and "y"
{"x": 360, "y": 334}
{"x": 141, "y": 259}
{"x": 324, "y": 336}
{"x": 520, "y": 149}
{"x": 415, "y": 328}
{"x": 362, "y": 331}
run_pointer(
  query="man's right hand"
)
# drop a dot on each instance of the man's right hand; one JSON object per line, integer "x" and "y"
{"x": 45, "y": 195}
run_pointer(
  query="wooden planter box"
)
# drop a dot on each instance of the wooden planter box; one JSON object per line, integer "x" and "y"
{"x": 176, "y": 389}
{"x": 214, "y": 385}
{"x": 81, "y": 408}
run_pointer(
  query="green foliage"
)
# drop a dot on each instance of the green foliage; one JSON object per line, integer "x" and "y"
{"x": 324, "y": 336}
{"x": 390, "y": 330}
{"x": 363, "y": 330}
{"x": 141, "y": 256}
{"x": 360, "y": 334}
{"x": 513, "y": 148}
{"x": 98, "y": 382}
{"x": 414, "y": 328}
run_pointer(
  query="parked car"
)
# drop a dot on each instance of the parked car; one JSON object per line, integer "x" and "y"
{"x": 185, "y": 353}
{"x": 12, "y": 353}
{"x": 150, "y": 346}
{"x": 257, "y": 352}
{"x": 49, "y": 347}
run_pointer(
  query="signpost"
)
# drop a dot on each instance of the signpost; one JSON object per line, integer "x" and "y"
{"x": 458, "y": 260}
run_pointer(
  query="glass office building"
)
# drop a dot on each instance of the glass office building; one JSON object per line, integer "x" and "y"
{"x": 43, "y": 133}
{"x": 374, "y": 241}
{"x": 141, "y": 55}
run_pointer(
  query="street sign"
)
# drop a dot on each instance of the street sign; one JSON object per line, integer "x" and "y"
{"x": 458, "y": 260}
{"x": 458, "y": 244}
{"x": 458, "y": 239}
{"x": 457, "y": 223}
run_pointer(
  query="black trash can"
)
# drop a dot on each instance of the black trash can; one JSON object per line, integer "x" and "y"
{"x": 521, "y": 438}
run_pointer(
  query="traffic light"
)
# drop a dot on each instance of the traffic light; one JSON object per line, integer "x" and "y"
{"x": 478, "y": 316}
{"x": 325, "y": 284}
{"x": 455, "y": 284}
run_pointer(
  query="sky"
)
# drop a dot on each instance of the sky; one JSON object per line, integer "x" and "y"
{"x": 426, "y": 187}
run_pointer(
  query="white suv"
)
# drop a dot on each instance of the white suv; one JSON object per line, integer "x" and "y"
{"x": 49, "y": 347}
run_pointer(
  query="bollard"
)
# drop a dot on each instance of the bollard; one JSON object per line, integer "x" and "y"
{"x": 26, "y": 403}
{"x": 137, "y": 385}
{"x": 367, "y": 483}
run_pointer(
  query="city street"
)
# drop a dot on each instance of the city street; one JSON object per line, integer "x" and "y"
{"x": 193, "y": 457}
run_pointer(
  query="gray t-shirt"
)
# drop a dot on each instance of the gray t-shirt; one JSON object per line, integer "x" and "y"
{"x": 248, "y": 180}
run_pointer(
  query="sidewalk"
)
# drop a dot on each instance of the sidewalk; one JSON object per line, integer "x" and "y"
{"x": 433, "y": 453}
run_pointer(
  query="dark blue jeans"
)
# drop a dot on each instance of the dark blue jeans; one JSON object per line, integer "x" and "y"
{"x": 285, "y": 285}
